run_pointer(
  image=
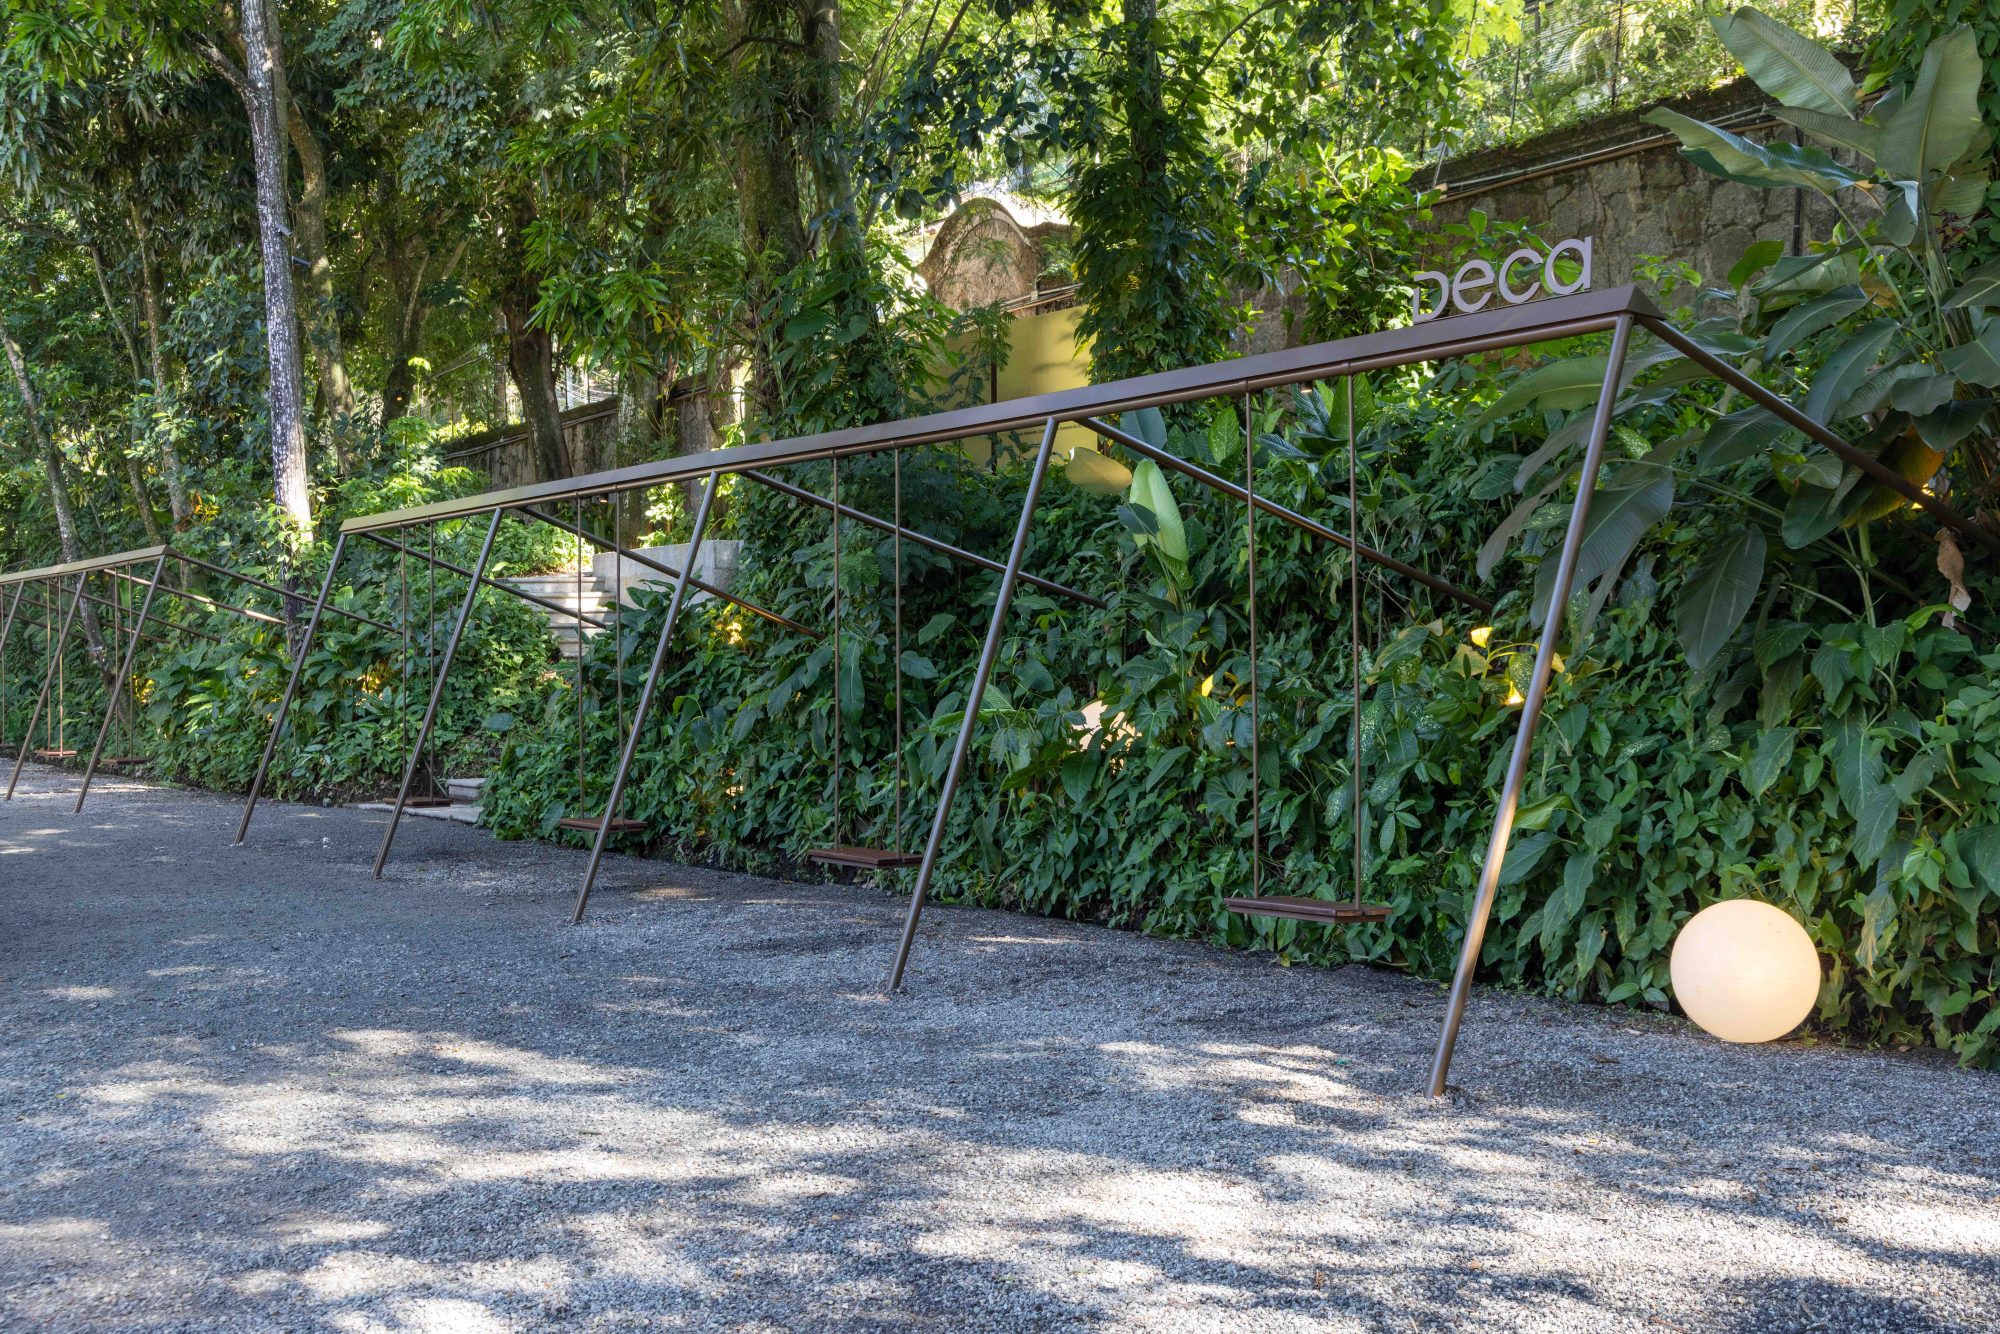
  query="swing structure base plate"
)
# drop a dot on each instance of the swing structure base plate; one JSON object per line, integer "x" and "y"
{"x": 864, "y": 859}
{"x": 589, "y": 824}
{"x": 121, "y": 761}
{"x": 1301, "y": 909}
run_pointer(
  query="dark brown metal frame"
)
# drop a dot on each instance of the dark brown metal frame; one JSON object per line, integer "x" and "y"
{"x": 1617, "y": 311}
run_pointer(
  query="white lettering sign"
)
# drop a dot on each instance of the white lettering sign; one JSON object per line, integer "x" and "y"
{"x": 1472, "y": 287}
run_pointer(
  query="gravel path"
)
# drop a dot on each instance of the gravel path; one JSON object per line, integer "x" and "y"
{"x": 252, "y": 1089}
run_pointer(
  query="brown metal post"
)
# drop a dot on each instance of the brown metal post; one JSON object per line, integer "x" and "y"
{"x": 645, "y": 700}
{"x": 291, "y": 687}
{"x": 48, "y": 678}
{"x": 1531, "y": 710}
{"x": 477, "y": 575}
{"x": 118, "y": 687}
{"x": 995, "y": 628}
{"x": 6, "y": 631}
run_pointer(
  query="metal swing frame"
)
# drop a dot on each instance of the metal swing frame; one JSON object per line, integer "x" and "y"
{"x": 1616, "y": 311}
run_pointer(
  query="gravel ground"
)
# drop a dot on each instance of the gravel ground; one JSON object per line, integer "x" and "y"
{"x": 250, "y": 1088}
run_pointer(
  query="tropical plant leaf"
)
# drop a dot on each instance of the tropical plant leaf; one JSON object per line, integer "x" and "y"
{"x": 1915, "y": 461}
{"x": 1621, "y": 512}
{"x": 1820, "y": 271}
{"x": 1815, "y": 511}
{"x": 1788, "y": 65}
{"x": 1735, "y": 158}
{"x": 1946, "y": 426}
{"x": 1979, "y": 291}
{"x": 1768, "y": 760}
{"x": 1939, "y": 121}
{"x": 1097, "y": 473}
{"x": 1920, "y": 396}
{"x": 1496, "y": 543}
{"x": 1880, "y": 386}
{"x": 1151, "y": 491}
{"x": 1803, "y": 321}
{"x": 1977, "y": 362}
{"x": 1757, "y": 256}
{"x": 1845, "y": 131}
{"x": 1846, "y": 369}
{"x": 1740, "y": 435}
{"x": 1719, "y": 593}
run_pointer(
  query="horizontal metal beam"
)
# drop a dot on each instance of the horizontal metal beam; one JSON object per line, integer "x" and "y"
{"x": 488, "y": 580}
{"x": 85, "y": 566}
{"x": 668, "y": 570}
{"x": 1293, "y": 517}
{"x": 921, "y": 539}
{"x": 1501, "y": 326}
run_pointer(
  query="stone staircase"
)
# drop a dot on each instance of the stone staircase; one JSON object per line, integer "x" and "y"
{"x": 717, "y": 566}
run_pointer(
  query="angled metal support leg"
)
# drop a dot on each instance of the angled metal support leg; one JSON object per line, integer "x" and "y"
{"x": 48, "y": 679}
{"x": 291, "y": 687}
{"x": 1531, "y": 711}
{"x": 437, "y": 689}
{"x": 995, "y": 629}
{"x": 646, "y": 696}
{"x": 118, "y": 687}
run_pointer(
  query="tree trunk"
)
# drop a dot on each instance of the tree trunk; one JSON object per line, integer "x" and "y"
{"x": 135, "y": 477}
{"x": 321, "y": 325}
{"x": 149, "y": 294}
{"x": 531, "y": 354}
{"x": 765, "y": 150}
{"x": 259, "y": 80}
{"x": 52, "y": 473}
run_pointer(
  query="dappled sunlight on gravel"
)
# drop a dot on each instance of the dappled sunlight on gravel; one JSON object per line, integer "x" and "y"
{"x": 251, "y": 1089}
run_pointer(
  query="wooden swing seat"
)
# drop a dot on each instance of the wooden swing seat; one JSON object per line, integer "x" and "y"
{"x": 590, "y": 824}
{"x": 1301, "y": 909}
{"x": 121, "y": 761}
{"x": 55, "y": 754}
{"x": 864, "y": 859}
{"x": 418, "y": 801}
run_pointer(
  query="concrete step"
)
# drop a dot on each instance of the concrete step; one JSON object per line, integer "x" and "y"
{"x": 463, "y": 789}
{"x": 456, "y": 812}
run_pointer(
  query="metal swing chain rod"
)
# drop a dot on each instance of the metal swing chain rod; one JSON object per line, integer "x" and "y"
{"x": 124, "y": 674}
{"x": 921, "y": 539}
{"x": 1531, "y": 711}
{"x": 1256, "y": 731}
{"x": 645, "y": 700}
{"x": 475, "y": 577}
{"x": 48, "y": 678}
{"x": 241, "y": 577}
{"x": 452, "y": 567}
{"x": 658, "y": 567}
{"x": 300, "y": 655}
{"x": 1293, "y": 517}
{"x": 1002, "y": 599}
{"x": 1354, "y": 637}
{"x": 160, "y": 621}
{"x": 211, "y": 603}
{"x": 836, "y": 651}
{"x": 6, "y": 632}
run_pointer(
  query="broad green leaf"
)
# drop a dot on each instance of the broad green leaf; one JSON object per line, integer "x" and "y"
{"x": 1078, "y": 768}
{"x": 1981, "y": 850}
{"x": 1524, "y": 856}
{"x": 1977, "y": 362}
{"x": 1939, "y": 121}
{"x": 1760, "y": 255}
{"x": 1846, "y": 369}
{"x": 1151, "y": 491}
{"x": 1815, "y": 511}
{"x": 1148, "y": 425}
{"x": 1803, "y": 321}
{"x": 1946, "y": 426}
{"x": 1920, "y": 396}
{"x": 1820, "y": 271}
{"x": 1563, "y": 385}
{"x": 1842, "y": 130}
{"x": 1875, "y": 822}
{"x": 1788, "y": 65}
{"x": 1097, "y": 473}
{"x": 1621, "y": 512}
{"x": 1735, "y": 158}
{"x": 1880, "y": 386}
{"x": 916, "y": 665}
{"x": 1564, "y": 905}
{"x": 1979, "y": 291}
{"x": 1962, "y": 195}
{"x": 1508, "y": 528}
{"x": 1768, "y": 760}
{"x": 1741, "y": 435}
{"x": 1719, "y": 593}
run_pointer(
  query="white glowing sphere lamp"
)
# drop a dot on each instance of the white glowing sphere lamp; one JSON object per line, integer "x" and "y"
{"x": 1745, "y": 971}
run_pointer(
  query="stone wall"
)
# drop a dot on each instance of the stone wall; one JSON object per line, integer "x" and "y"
{"x": 1624, "y": 182}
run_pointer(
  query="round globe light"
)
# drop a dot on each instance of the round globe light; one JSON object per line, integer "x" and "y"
{"x": 1745, "y": 971}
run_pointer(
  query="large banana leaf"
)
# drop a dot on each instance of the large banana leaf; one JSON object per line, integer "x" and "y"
{"x": 1939, "y": 122}
{"x": 1096, "y": 473}
{"x": 1845, "y": 131}
{"x": 1719, "y": 594}
{"x": 1151, "y": 492}
{"x": 1802, "y": 322}
{"x": 1791, "y": 67}
{"x": 1740, "y": 435}
{"x": 1621, "y": 512}
{"x": 1563, "y": 385}
{"x": 1735, "y": 158}
{"x": 1847, "y": 368}
{"x": 1977, "y": 362}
